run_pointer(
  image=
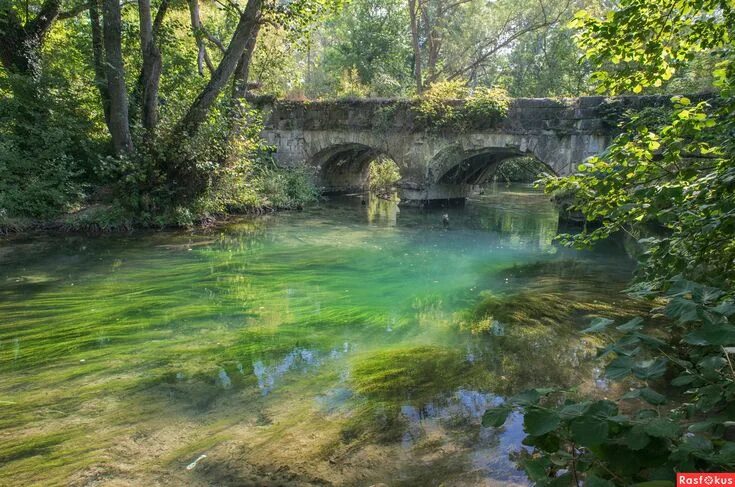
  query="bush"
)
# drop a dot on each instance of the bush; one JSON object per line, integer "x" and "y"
{"x": 287, "y": 188}
{"x": 486, "y": 107}
{"x": 437, "y": 107}
{"x": 450, "y": 105}
{"x": 383, "y": 175}
{"x": 45, "y": 149}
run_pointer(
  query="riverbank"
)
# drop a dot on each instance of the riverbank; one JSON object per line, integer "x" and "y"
{"x": 95, "y": 219}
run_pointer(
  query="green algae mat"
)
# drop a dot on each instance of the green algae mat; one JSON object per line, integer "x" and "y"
{"x": 349, "y": 344}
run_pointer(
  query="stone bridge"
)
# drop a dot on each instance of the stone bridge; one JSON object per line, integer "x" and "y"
{"x": 340, "y": 138}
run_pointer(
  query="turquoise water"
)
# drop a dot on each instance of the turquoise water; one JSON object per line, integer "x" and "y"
{"x": 348, "y": 344}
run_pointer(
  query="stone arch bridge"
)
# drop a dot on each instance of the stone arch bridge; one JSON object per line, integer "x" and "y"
{"x": 340, "y": 138}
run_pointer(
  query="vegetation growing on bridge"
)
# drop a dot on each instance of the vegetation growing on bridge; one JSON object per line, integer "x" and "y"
{"x": 438, "y": 107}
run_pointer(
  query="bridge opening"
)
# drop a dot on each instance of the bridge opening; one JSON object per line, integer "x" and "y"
{"x": 525, "y": 169}
{"x": 356, "y": 168}
{"x": 466, "y": 173}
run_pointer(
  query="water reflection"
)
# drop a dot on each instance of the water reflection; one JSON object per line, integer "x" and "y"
{"x": 383, "y": 210}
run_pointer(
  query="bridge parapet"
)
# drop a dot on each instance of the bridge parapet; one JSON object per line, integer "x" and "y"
{"x": 592, "y": 114}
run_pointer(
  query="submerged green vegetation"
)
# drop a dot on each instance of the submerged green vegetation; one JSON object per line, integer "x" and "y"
{"x": 293, "y": 343}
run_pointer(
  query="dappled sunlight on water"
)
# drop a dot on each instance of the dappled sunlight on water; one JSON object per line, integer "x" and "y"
{"x": 348, "y": 344}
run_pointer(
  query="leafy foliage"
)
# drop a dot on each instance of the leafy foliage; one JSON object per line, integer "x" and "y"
{"x": 45, "y": 149}
{"x": 450, "y": 105}
{"x": 667, "y": 181}
{"x": 679, "y": 426}
{"x": 383, "y": 175}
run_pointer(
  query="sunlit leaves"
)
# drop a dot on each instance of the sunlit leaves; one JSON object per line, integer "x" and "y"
{"x": 667, "y": 181}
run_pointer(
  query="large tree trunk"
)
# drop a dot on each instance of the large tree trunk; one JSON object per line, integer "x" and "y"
{"x": 98, "y": 58}
{"x": 119, "y": 125}
{"x": 20, "y": 45}
{"x": 151, "y": 72}
{"x": 242, "y": 72}
{"x": 413, "y": 11}
{"x": 198, "y": 111}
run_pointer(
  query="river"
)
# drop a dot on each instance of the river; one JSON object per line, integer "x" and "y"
{"x": 348, "y": 344}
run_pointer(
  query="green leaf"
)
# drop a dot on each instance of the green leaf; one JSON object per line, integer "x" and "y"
{"x": 531, "y": 396}
{"x": 590, "y": 431}
{"x": 710, "y": 367}
{"x": 696, "y": 444}
{"x": 536, "y": 468}
{"x": 655, "y": 483}
{"x": 575, "y": 410}
{"x": 705, "y": 426}
{"x": 636, "y": 438}
{"x": 632, "y": 325}
{"x": 652, "y": 397}
{"x": 707, "y": 335}
{"x": 662, "y": 428}
{"x": 495, "y": 417}
{"x": 726, "y": 455}
{"x": 709, "y": 397}
{"x": 726, "y": 308}
{"x": 593, "y": 480}
{"x": 647, "y": 394}
{"x": 683, "y": 380}
{"x": 681, "y": 309}
{"x": 598, "y": 325}
{"x": 538, "y": 421}
{"x": 619, "y": 368}
{"x": 650, "y": 369}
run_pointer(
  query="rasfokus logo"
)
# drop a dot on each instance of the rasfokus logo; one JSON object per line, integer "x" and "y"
{"x": 705, "y": 479}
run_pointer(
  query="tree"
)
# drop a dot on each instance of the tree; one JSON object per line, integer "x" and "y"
{"x": 668, "y": 181}
{"x": 369, "y": 37}
{"x": 119, "y": 125}
{"x": 459, "y": 39}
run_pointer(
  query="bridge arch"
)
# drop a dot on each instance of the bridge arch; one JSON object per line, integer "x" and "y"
{"x": 474, "y": 159}
{"x": 344, "y": 167}
{"x": 476, "y": 167}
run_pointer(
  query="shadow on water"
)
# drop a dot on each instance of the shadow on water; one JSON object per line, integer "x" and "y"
{"x": 348, "y": 344}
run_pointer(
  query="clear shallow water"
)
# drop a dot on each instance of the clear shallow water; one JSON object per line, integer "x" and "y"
{"x": 347, "y": 344}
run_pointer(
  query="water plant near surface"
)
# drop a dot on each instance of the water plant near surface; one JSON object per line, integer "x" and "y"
{"x": 310, "y": 343}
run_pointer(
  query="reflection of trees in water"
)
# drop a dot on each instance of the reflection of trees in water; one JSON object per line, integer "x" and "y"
{"x": 520, "y": 216}
{"x": 383, "y": 210}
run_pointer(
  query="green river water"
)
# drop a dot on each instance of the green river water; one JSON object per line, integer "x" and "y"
{"x": 347, "y": 344}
